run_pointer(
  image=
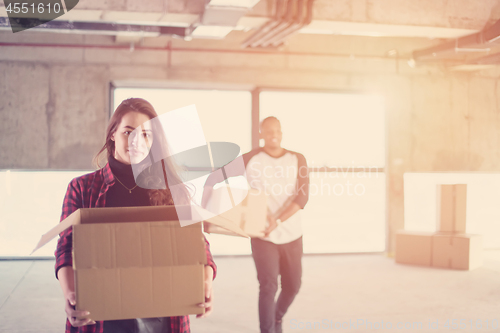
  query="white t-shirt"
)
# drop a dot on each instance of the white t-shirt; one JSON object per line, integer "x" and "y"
{"x": 285, "y": 179}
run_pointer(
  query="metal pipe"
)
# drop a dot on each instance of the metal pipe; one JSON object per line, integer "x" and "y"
{"x": 268, "y": 26}
{"x": 195, "y": 50}
{"x": 291, "y": 27}
{"x": 276, "y": 32}
{"x": 308, "y": 19}
{"x": 286, "y": 21}
{"x": 103, "y": 28}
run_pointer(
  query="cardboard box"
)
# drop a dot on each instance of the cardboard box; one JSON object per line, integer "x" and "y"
{"x": 248, "y": 212}
{"x": 413, "y": 248}
{"x": 460, "y": 251}
{"x": 135, "y": 262}
{"x": 451, "y": 208}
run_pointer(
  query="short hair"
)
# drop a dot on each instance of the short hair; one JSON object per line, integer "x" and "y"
{"x": 267, "y": 119}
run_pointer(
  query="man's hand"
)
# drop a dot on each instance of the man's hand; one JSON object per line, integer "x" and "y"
{"x": 76, "y": 318}
{"x": 209, "y": 296}
{"x": 271, "y": 227}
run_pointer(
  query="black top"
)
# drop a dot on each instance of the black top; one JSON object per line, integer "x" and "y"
{"x": 118, "y": 195}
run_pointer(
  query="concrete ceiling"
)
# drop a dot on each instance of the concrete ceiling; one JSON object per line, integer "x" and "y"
{"x": 412, "y": 18}
{"x": 429, "y": 19}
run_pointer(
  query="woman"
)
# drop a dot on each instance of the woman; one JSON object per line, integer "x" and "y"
{"x": 114, "y": 185}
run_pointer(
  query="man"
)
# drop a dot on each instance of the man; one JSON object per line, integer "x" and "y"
{"x": 283, "y": 175}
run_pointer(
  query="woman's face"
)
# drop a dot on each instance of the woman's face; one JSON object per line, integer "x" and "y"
{"x": 133, "y": 146}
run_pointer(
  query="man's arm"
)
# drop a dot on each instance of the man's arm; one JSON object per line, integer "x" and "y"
{"x": 300, "y": 200}
{"x": 288, "y": 212}
{"x": 302, "y": 188}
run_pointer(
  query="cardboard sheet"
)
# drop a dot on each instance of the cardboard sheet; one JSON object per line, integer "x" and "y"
{"x": 249, "y": 214}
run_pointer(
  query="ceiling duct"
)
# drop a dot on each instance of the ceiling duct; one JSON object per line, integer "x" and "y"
{"x": 290, "y": 16}
{"x": 269, "y": 26}
{"x": 216, "y": 21}
{"x": 102, "y": 28}
{"x": 491, "y": 59}
{"x": 220, "y": 17}
{"x": 465, "y": 50}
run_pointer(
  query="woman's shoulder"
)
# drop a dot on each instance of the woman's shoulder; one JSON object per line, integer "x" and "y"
{"x": 100, "y": 175}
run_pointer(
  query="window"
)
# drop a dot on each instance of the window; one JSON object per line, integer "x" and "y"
{"x": 31, "y": 203}
{"x": 482, "y": 213}
{"x": 225, "y": 115}
{"x": 330, "y": 129}
{"x": 341, "y": 135}
{"x": 346, "y": 134}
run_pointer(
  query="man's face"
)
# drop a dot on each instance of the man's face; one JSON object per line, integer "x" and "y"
{"x": 271, "y": 133}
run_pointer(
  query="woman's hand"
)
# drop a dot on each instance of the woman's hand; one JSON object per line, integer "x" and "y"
{"x": 76, "y": 318}
{"x": 209, "y": 296}
{"x": 66, "y": 277}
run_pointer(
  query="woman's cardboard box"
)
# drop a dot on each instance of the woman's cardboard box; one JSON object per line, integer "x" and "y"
{"x": 135, "y": 262}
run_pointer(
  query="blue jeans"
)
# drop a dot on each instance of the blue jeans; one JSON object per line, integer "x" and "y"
{"x": 272, "y": 260}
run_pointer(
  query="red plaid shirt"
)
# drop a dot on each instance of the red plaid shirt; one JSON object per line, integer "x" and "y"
{"x": 89, "y": 191}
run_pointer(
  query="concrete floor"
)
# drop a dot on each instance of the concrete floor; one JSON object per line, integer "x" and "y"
{"x": 340, "y": 292}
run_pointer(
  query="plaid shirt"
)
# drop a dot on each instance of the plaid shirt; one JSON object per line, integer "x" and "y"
{"x": 89, "y": 191}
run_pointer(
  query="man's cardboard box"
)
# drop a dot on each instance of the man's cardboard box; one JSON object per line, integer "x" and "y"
{"x": 135, "y": 262}
{"x": 249, "y": 214}
{"x": 414, "y": 248}
{"x": 451, "y": 207}
{"x": 459, "y": 251}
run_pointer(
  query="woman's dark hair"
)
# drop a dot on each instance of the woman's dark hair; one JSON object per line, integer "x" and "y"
{"x": 153, "y": 176}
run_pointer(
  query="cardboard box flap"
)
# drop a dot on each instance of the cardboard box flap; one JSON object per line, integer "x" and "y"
{"x": 199, "y": 213}
{"x": 132, "y": 214}
{"x": 247, "y": 210}
{"x": 113, "y": 215}
{"x": 73, "y": 219}
{"x": 215, "y": 223}
{"x": 140, "y": 244}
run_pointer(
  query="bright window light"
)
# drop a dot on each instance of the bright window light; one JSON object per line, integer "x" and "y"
{"x": 482, "y": 213}
{"x": 224, "y": 115}
{"x": 345, "y": 214}
{"x": 21, "y": 228}
{"x": 346, "y": 132}
{"x": 330, "y": 129}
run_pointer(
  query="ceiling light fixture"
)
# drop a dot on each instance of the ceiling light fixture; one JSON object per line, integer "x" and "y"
{"x": 234, "y": 3}
{"x": 221, "y": 17}
{"x": 211, "y": 31}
